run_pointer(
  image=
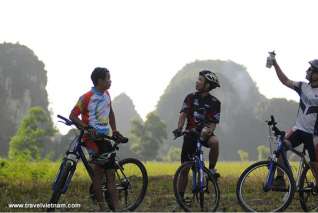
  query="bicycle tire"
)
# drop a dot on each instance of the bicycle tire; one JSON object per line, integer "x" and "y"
{"x": 208, "y": 177}
{"x": 64, "y": 173}
{"x": 144, "y": 178}
{"x": 306, "y": 191}
{"x": 140, "y": 195}
{"x": 261, "y": 203}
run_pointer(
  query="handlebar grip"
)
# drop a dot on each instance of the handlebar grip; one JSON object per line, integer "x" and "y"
{"x": 60, "y": 116}
{"x": 121, "y": 140}
{"x": 272, "y": 119}
{"x": 67, "y": 121}
{"x": 125, "y": 140}
{"x": 63, "y": 118}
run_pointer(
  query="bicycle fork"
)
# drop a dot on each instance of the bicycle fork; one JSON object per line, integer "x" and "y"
{"x": 272, "y": 166}
{"x": 69, "y": 161}
{"x": 197, "y": 187}
{"x": 64, "y": 187}
{"x": 270, "y": 177}
{"x": 198, "y": 172}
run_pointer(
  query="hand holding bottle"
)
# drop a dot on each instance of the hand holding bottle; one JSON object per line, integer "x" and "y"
{"x": 270, "y": 59}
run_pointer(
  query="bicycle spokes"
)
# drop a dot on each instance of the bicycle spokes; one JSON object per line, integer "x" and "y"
{"x": 259, "y": 190}
{"x": 194, "y": 193}
{"x": 308, "y": 191}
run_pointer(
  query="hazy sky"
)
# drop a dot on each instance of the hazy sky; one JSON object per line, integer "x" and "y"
{"x": 145, "y": 43}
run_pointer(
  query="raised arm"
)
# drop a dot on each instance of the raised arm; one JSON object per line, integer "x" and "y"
{"x": 282, "y": 77}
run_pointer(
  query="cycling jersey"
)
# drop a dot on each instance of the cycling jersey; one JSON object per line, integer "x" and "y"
{"x": 201, "y": 110}
{"x": 94, "y": 108}
{"x": 307, "y": 117}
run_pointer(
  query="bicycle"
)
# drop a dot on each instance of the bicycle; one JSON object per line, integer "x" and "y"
{"x": 255, "y": 190}
{"x": 131, "y": 174}
{"x": 204, "y": 193}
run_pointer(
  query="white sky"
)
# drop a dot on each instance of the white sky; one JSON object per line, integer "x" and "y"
{"x": 144, "y": 43}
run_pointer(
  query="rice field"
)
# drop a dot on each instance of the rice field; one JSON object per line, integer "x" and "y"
{"x": 30, "y": 182}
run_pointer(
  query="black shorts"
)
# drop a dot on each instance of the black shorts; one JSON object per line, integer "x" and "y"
{"x": 189, "y": 146}
{"x": 298, "y": 137}
{"x": 104, "y": 147}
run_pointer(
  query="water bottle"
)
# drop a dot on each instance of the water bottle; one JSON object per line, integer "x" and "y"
{"x": 270, "y": 58}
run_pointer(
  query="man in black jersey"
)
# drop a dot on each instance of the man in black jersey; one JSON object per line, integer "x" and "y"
{"x": 202, "y": 112}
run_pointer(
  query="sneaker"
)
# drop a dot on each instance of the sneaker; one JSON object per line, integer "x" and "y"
{"x": 279, "y": 183}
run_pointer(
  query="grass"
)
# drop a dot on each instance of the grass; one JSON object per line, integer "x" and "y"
{"x": 30, "y": 182}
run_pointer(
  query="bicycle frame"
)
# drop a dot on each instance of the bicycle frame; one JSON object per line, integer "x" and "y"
{"x": 72, "y": 155}
{"x": 199, "y": 164}
{"x": 75, "y": 152}
{"x": 281, "y": 151}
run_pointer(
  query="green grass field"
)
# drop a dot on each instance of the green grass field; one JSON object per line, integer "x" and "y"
{"x": 26, "y": 182}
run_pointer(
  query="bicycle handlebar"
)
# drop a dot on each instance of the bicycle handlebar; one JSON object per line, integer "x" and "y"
{"x": 66, "y": 121}
{"x": 70, "y": 123}
{"x": 187, "y": 132}
{"x": 273, "y": 123}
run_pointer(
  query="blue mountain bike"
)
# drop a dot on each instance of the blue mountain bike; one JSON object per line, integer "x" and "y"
{"x": 131, "y": 174}
{"x": 256, "y": 190}
{"x": 203, "y": 193}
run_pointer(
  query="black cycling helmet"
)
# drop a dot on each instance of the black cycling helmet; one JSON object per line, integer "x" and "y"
{"x": 211, "y": 78}
{"x": 314, "y": 65}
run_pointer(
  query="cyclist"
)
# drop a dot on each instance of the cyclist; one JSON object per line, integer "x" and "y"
{"x": 97, "y": 116}
{"x": 305, "y": 129}
{"x": 202, "y": 112}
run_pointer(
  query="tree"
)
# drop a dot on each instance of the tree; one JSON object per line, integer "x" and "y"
{"x": 263, "y": 152}
{"x": 147, "y": 137}
{"x": 34, "y": 130}
{"x": 243, "y": 155}
{"x": 173, "y": 154}
{"x": 22, "y": 85}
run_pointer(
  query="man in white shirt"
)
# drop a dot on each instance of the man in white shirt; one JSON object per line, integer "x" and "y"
{"x": 305, "y": 129}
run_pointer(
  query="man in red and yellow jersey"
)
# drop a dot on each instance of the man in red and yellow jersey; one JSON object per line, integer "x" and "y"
{"x": 97, "y": 114}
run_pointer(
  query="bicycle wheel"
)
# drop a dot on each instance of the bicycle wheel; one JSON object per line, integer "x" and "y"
{"x": 252, "y": 194}
{"x": 64, "y": 172}
{"x": 307, "y": 194}
{"x": 187, "y": 191}
{"x": 131, "y": 183}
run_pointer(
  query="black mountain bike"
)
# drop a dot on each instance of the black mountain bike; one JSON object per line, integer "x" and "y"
{"x": 131, "y": 175}
{"x": 255, "y": 189}
{"x": 202, "y": 193}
